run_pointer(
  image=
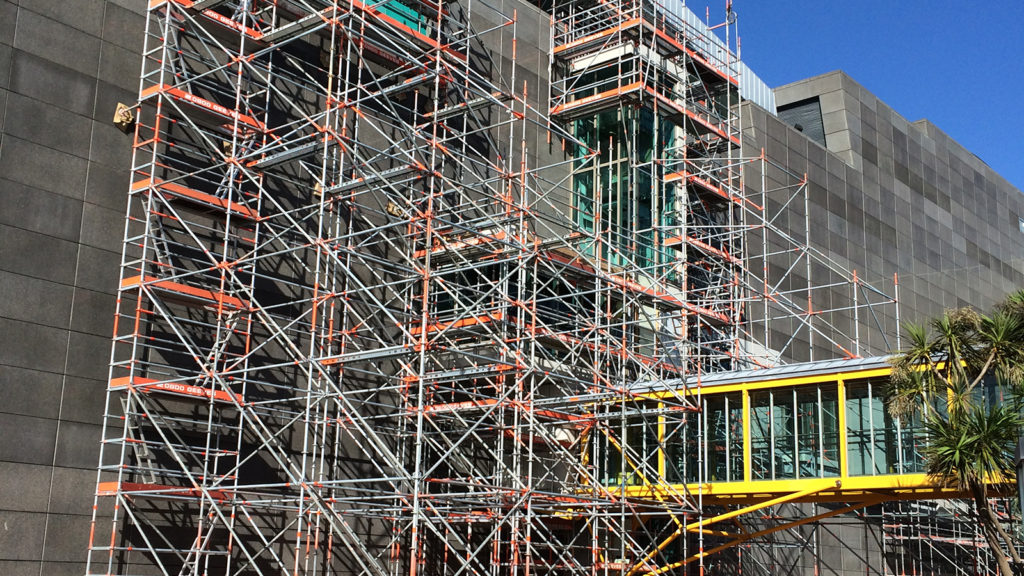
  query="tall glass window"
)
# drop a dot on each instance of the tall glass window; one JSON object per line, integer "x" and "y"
{"x": 627, "y": 455}
{"x": 795, "y": 432}
{"x": 877, "y": 443}
{"x": 712, "y": 439}
{"x": 723, "y": 424}
{"x": 615, "y": 197}
{"x": 682, "y": 447}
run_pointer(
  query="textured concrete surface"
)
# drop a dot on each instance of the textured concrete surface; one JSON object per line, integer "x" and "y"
{"x": 890, "y": 196}
{"x": 63, "y": 184}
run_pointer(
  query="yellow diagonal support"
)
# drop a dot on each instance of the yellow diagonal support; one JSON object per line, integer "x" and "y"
{"x": 746, "y": 537}
{"x": 700, "y": 524}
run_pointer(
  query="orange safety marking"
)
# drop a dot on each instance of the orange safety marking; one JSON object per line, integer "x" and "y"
{"x": 595, "y": 97}
{"x": 151, "y": 385}
{"x": 596, "y": 35}
{"x": 440, "y": 326}
{"x": 455, "y": 406}
{"x": 709, "y": 186}
{"x": 639, "y": 288}
{"x": 114, "y": 488}
{"x": 665, "y": 101}
{"x": 617, "y": 351}
{"x": 191, "y": 194}
{"x": 692, "y": 54}
{"x": 219, "y": 18}
{"x": 200, "y": 102}
{"x": 190, "y": 292}
{"x": 672, "y": 241}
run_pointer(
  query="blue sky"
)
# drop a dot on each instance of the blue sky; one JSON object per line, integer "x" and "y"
{"x": 958, "y": 64}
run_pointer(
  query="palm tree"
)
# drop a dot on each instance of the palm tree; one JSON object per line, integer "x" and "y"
{"x": 943, "y": 374}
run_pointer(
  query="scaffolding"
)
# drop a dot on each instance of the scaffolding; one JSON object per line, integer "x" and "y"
{"x": 386, "y": 303}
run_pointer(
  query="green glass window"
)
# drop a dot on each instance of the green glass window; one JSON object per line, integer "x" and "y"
{"x": 760, "y": 436}
{"x": 626, "y": 455}
{"x": 795, "y": 432}
{"x": 877, "y": 443}
{"x": 618, "y": 199}
{"x": 723, "y": 423}
{"x": 406, "y": 15}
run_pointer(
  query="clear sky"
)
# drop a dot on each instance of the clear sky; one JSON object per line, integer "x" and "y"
{"x": 958, "y": 64}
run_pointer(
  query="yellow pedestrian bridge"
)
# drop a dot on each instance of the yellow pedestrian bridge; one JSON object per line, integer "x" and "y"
{"x": 739, "y": 442}
{"x": 814, "y": 432}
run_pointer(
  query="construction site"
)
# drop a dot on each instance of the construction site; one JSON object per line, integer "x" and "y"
{"x": 475, "y": 287}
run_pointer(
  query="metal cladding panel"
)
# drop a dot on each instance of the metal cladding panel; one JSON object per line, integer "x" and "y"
{"x": 751, "y": 86}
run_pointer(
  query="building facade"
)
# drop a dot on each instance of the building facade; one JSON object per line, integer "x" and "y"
{"x": 63, "y": 176}
{"x": 886, "y": 199}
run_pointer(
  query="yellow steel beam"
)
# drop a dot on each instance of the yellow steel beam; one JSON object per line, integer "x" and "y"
{"x": 700, "y": 524}
{"x": 748, "y": 473}
{"x": 784, "y": 382}
{"x": 844, "y": 465}
{"x": 747, "y": 537}
{"x": 721, "y": 533}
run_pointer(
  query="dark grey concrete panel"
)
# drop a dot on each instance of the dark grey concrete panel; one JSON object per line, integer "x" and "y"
{"x": 69, "y": 490}
{"x": 19, "y": 568}
{"x": 98, "y": 269}
{"x": 102, "y": 227}
{"x": 23, "y": 538}
{"x": 38, "y": 301}
{"x": 110, "y": 146}
{"x": 49, "y": 82}
{"x": 78, "y": 446}
{"x": 87, "y": 15}
{"x": 3, "y": 112}
{"x": 131, "y": 5}
{"x": 40, "y": 211}
{"x": 62, "y": 568}
{"x": 107, "y": 187}
{"x": 27, "y": 440}
{"x": 32, "y": 164}
{"x": 47, "y": 125}
{"x": 93, "y": 313}
{"x": 8, "y": 22}
{"x": 83, "y": 400}
{"x": 6, "y": 55}
{"x": 57, "y": 42}
{"x": 28, "y": 345}
{"x": 30, "y": 392}
{"x": 88, "y": 355}
{"x": 67, "y": 538}
{"x": 30, "y": 482}
{"x": 37, "y": 255}
{"x": 120, "y": 66}
{"x": 123, "y": 27}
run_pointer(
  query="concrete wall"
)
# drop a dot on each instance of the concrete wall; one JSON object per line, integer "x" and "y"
{"x": 63, "y": 184}
{"x": 910, "y": 199}
{"x": 889, "y": 196}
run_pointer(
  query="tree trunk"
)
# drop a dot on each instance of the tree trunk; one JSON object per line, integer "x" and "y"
{"x": 1002, "y": 533}
{"x": 984, "y": 518}
{"x": 997, "y": 550}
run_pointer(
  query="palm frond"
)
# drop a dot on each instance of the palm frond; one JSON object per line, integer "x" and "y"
{"x": 973, "y": 449}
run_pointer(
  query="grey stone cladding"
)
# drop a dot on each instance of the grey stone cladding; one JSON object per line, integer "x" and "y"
{"x": 63, "y": 187}
{"x": 893, "y": 197}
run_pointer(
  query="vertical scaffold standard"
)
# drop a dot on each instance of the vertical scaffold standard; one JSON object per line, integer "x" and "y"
{"x": 381, "y": 313}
